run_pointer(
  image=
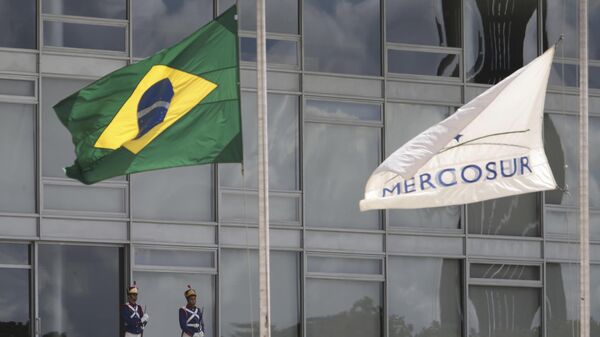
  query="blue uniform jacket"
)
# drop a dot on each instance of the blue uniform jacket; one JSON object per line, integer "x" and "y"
{"x": 188, "y": 318}
{"x": 131, "y": 315}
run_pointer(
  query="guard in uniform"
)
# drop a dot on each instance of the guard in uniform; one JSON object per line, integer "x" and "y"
{"x": 133, "y": 317}
{"x": 190, "y": 317}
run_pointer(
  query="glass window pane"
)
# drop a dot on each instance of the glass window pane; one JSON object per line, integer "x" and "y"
{"x": 426, "y": 22}
{"x": 18, "y": 24}
{"x": 562, "y": 300}
{"x": 563, "y": 74}
{"x": 594, "y": 153}
{"x": 57, "y": 147}
{"x": 110, "y": 9}
{"x": 239, "y": 299}
{"x": 174, "y": 258}
{"x": 518, "y": 216}
{"x": 593, "y": 28}
{"x": 595, "y": 300}
{"x": 14, "y": 253}
{"x": 17, "y": 150}
{"x": 402, "y": 123}
{"x": 278, "y": 51}
{"x": 560, "y": 17}
{"x": 505, "y": 271}
{"x": 335, "y": 41}
{"x": 423, "y": 63}
{"x": 76, "y": 35}
{"x": 343, "y": 111}
{"x": 14, "y": 303}
{"x": 276, "y": 22}
{"x": 344, "y": 266}
{"x": 283, "y": 153}
{"x": 180, "y": 193}
{"x": 17, "y": 87}
{"x": 561, "y": 141}
{"x": 329, "y": 151}
{"x": 162, "y": 296}
{"x": 424, "y": 296}
{"x": 73, "y": 277}
{"x": 499, "y": 38}
{"x": 159, "y": 24}
{"x": 351, "y": 308}
{"x": 504, "y": 311}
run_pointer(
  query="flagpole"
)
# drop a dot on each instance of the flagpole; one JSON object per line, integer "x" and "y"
{"x": 263, "y": 173}
{"x": 584, "y": 273}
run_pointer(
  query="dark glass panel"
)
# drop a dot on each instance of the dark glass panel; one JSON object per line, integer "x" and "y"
{"x": 426, "y": 22}
{"x": 562, "y": 300}
{"x": 75, "y": 35}
{"x": 162, "y": 296}
{"x": 278, "y": 51}
{"x": 330, "y": 151}
{"x": 505, "y": 271}
{"x": 423, "y": 63}
{"x": 111, "y": 9}
{"x": 239, "y": 300}
{"x": 159, "y": 24}
{"x": 283, "y": 154}
{"x": 567, "y": 75}
{"x": 18, "y": 24}
{"x": 424, "y": 297}
{"x": 14, "y": 303}
{"x": 500, "y": 38}
{"x": 517, "y": 216}
{"x": 593, "y": 27}
{"x": 17, "y": 150}
{"x": 73, "y": 280}
{"x": 174, "y": 258}
{"x": 343, "y": 111}
{"x": 560, "y": 17}
{"x": 342, "y": 36}
{"x": 343, "y": 308}
{"x": 282, "y": 15}
{"x": 504, "y": 311}
{"x": 319, "y": 264}
{"x": 14, "y": 253}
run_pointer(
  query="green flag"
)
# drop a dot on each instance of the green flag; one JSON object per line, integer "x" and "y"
{"x": 178, "y": 107}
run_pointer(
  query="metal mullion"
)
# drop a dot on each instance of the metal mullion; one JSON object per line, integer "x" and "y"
{"x": 342, "y": 75}
{"x": 374, "y": 125}
{"x": 94, "y": 53}
{"x": 180, "y": 270}
{"x": 438, "y": 79}
{"x": 345, "y": 277}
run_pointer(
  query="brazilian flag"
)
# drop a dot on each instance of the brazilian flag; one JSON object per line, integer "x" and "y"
{"x": 178, "y": 107}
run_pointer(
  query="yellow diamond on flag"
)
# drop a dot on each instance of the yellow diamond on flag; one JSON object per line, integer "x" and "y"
{"x": 161, "y": 98}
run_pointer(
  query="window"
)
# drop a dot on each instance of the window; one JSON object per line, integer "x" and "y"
{"x": 504, "y": 50}
{"x": 239, "y": 293}
{"x": 159, "y": 24}
{"x": 281, "y": 52}
{"x": 18, "y": 24}
{"x": 162, "y": 276}
{"x": 424, "y": 297}
{"x": 403, "y": 122}
{"x": 336, "y": 42}
{"x": 424, "y": 22}
{"x": 562, "y": 299}
{"x": 15, "y": 312}
{"x": 181, "y": 193}
{"x": 504, "y": 311}
{"x": 276, "y": 22}
{"x": 505, "y": 300}
{"x": 517, "y": 216}
{"x": 73, "y": 277}
{"x": 561, "y": 17}
{"x": 338, "y": 160}
{"x": 343, "y": 308}
{"x": 109, "y": 9}
{"x": 17, "y": 150}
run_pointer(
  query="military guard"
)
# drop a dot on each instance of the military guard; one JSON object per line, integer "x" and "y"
{"x": 190, "y": 317}
{"x": 133, "y": 317}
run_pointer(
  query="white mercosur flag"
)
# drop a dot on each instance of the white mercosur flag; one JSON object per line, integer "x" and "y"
{"x": 490, "y": 148}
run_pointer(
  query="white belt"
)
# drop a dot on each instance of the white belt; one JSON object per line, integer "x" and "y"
{"x": 129, "y": 334}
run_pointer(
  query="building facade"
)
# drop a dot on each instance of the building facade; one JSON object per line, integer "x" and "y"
{"x": 349, "y": 82}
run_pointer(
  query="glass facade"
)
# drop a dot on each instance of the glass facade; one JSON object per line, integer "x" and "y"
{"x": 349, "y": 82}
